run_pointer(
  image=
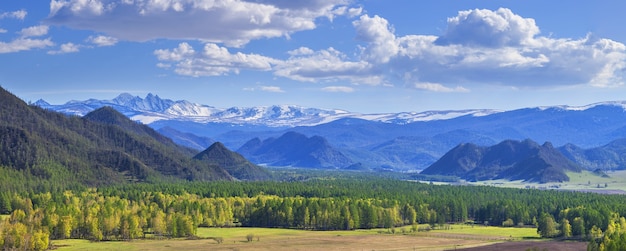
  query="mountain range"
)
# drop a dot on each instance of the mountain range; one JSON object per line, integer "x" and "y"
{"x": 103, "y": 147}
{"x": 152, "y": 108}
{"x": 393, "y": 141}
{"x": 512, "y": 160}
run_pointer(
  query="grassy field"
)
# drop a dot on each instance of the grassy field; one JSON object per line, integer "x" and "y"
{"x": 492, "y": 232}
{"x": 288, "y": 239}
{"x": 583, "y": 181}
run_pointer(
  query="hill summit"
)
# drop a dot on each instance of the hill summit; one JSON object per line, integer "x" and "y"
{"x": 235, "y": 164}
{"x": 295, "y": 149}
{"x": 513, "y": 160}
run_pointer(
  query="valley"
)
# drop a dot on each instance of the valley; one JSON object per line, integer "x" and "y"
{"x": 105, "y": 178}
{"x": 590, "y": 135}
{"x": 584, "y": 181}
{"x": 312, "y": 125}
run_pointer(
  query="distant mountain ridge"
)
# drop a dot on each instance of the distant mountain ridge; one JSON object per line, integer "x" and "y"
{"x": 394, "y": 141}
{"x": 152, "y": 108}
{"x": 510, "y": 159}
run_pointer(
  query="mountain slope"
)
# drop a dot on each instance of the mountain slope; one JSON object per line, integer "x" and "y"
{"x": 232, "y": 162}
{"x": 294, "y": 149}
{"x": 102, "y": 148}
{"x": 186, "y": 139}
{"x": 510, "y": 159}
{"x": 611, "y": 156}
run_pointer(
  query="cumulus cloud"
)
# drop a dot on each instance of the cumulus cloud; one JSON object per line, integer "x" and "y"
{"x": 25, "y": 41}
{"x": 213, "y": 60}
{"x": 489, "y": 28}
{"x": 24, "y": 44}
{"x": 34, "y": 31}
{"x": 233, "y": 22}
{"x": 377, "y": 32}
{"x": 66, "y": 48}
{"x": 102, "y": 40}
{"x": 20, "y": 14}
{"x": 493, "y": 47}
{"x": 345, "y": 89}
{"x": 477, "y": 47}
{"x": 304, "y": 64}
{"x": 325, "y": 65}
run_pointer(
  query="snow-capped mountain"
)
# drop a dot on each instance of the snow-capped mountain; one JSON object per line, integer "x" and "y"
{"x": 402, "y": 141}
{"x": 152, "y": 108}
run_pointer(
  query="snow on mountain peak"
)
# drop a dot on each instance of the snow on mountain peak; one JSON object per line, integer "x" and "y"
{"x": 153, "y": 108}
{"x": 621, "y": 104}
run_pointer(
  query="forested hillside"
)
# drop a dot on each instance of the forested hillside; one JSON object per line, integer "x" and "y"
{"x": 235, "y": 164}
{"x": 40, "y": 148}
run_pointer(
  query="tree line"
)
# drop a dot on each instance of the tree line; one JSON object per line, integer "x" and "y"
{"x": 167, "y": 210}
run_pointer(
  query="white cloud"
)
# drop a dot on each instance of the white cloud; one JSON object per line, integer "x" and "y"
{"x": 301, "y": 51}
{"x": 326, "y": 65}
{"x": 213, "y": 60}
{"x": 377, "y": 32}
{"x": 271, "y": 89}
{"x": 3, "y": 30}
{"x": 304, "y": 64}
{"x": 516, "y": 55}
{"x": 233, "y": 22}
{"x": 24, "y": 44}
{"x": 20, "y": 14}
{"x": 345, "y": 89}
{"x": 34, "y": 31}
{"x": 499, "y": 47}
{"x": 66, "y": 48}
{"x": 102, "y": 40}
{"x": 353, "y": 12}
{"x": 438, "y": 87}
{"x": 489, "y": 28}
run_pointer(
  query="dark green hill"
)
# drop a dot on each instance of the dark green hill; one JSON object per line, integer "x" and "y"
{"x": 510, "y": 159}
{"x": 295, "y": 149}
{"x": 104, "y": 147}
{"x": 238, "y": 166}
{"x": 611, "y": 156}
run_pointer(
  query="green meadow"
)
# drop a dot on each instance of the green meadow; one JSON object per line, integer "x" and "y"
{"x": 276, "y": 239}
{"x": 583, "y": 181}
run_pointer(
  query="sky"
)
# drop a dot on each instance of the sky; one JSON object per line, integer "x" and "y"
{"x": 369, "y": 56}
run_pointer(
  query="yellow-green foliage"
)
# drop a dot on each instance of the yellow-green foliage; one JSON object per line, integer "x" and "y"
{"x": 614, "y": 238}
{"x": 14, "y": 233}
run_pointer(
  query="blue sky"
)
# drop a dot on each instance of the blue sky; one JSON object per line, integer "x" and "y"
{"x": 362, "y": 56}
